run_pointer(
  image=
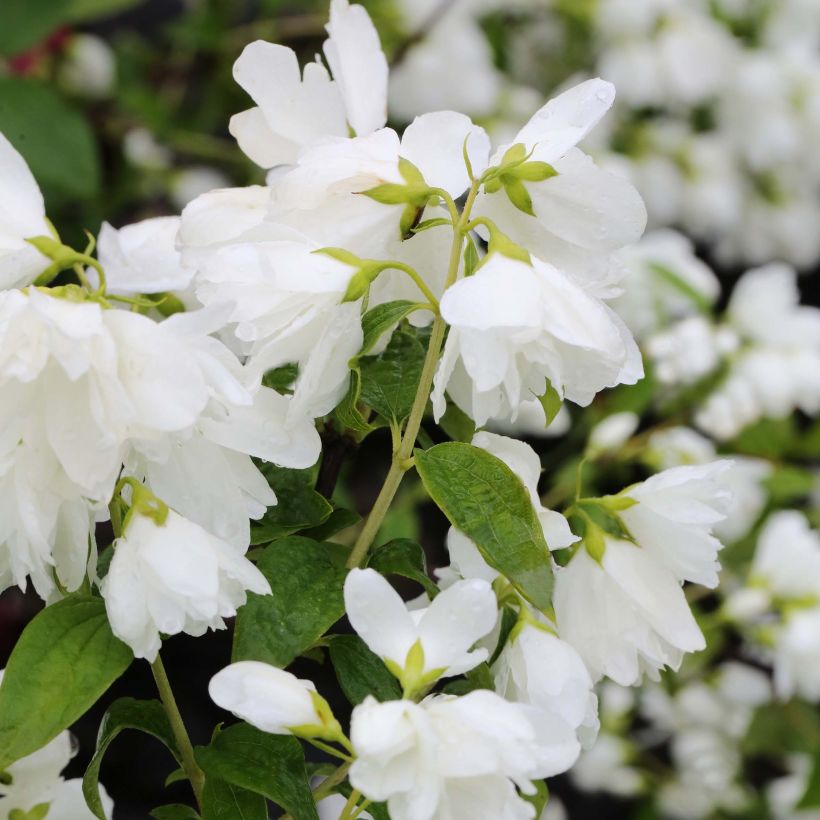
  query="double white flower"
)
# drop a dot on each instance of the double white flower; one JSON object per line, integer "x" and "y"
{"x": 624, "y": 611}
{"x": 172, "y": 576}
{"x": 456, "y": 758}
{"x": 517, "y": 328}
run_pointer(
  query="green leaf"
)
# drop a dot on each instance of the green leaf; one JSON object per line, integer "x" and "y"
{"x": 81, "y": 10}
{"x": 55, "y": 140}
{"x": 479, "y": 677}
{"x": 551, "y": 402}
{"x": 270, "y": 765}
{"x": 540, "y": 798}
{"x": 225, "y": 801}
{"x": 340, "y": 519}
{"x": 390, "y": 380}
{"x": 23, "y": 23}
{"x": 788, "y": 484}
{"x": 360, "y": 672}
{"x": 299, "y": 505}
{"x": 811, "y": 797}
{"x": 65, "y": 659}
{"x": 347, "y": 412}
{"x": 518, "y": 194}
{"x": 456, "y": 423}
{"x": 404, "y": 557}
{"x": 485, "y": 499}
{"x": 126, "y": 713}
{"x": 306, "y": 581}
{"x": 174, "y": 811}
{"x": 381, "y": 318}
{"x": 281, "y": 378}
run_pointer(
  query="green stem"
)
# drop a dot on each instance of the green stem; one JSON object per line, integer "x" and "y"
{"x": 402, "y": 456}
{"x": 326, "y": 747}
{"x": 420, "y": 283}
{"x": 347, "y": 811}
{"x": 186, "y": 750}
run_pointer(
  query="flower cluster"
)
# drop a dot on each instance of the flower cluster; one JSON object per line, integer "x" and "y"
{"x": 692, "y": 79}
{"x": 177, "y": 394}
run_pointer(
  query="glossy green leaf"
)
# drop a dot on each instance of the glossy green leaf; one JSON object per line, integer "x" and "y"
{"x": 269, "y": 765}
{"x": 340, "y": 519}
{"x": 390, "y": 380}
{"x": 456, "y": 423}
{"x": 485, "y": 499}
{"x": 347, "y": 413}
{"x": 126, "y": 713}
{"x": 382, "y": 318}
{"x": 306, "y": 581}
{"x": 65, "y": 659}
{"x": 360, "y": 672}
{"x": 225, "y": 801}
{"x": 299, "y": 505}
{"x": 174, "y": 811}
{"x": 46, "y": 130}
{"x": 404, "y": 557}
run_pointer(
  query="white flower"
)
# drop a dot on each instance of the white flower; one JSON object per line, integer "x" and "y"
{"x": 778, "y": 369}
{"x": 538, "y": 668}
{"x": 271, "y": 699}
{"x": 433, "y": 142}
{"x": 421, "y": 645}
{"x": 787, "y": 557}
{"x": 89, "y": 68}
{"x": 35, "y": 780}
{"x": 456, "y": 758}
{"x": 286, "y": 301}
{"x": 515, "y": 326}
{"x": 173, "y": 577}
{"x": 674, "y": 516}
{"x": 582, "y": 213}
{"x": 797, "y": 655}
{"x": 451, "y": 68}
{"x": 292, "y": 110}
{"x": 625, "y": 615}
{"x": 612, "y": 433}
{"x": 783, "y": 794}
{"x": 607, "y": 767}
{"x": 666, "y": 281}
{"x": 142, "y": 258}
{"x": 358, "y": 65}
{"x": 689, "y": 350}
{"x": 189, "y": 183}
{"x": 23, "y": 216}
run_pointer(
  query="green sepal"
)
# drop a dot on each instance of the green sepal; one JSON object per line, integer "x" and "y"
{"x": 518, "y": 194}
